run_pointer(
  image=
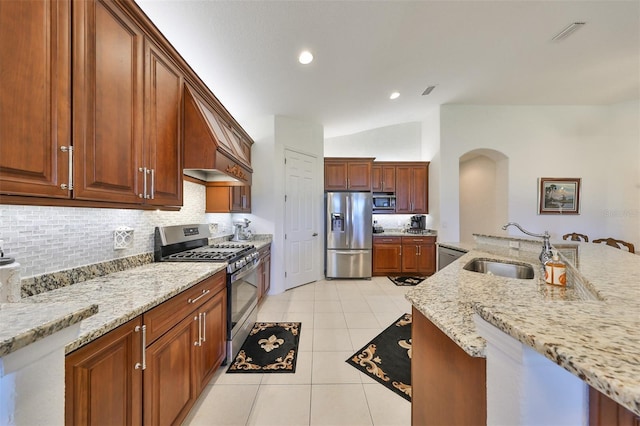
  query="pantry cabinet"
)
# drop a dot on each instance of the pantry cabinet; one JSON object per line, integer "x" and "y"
{"x": 347, "y": 174}
{"x": 154, "y": 367}
{"x": 35, "y": 98}
{"x": 412, "y": 188}
{"x": 387, "y": 256}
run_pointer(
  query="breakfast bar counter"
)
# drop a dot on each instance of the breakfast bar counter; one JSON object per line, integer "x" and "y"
{"x": 591, "y": 328}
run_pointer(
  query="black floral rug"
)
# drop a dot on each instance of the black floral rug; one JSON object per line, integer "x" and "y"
{"x": 407, "y": 280}
{"x": 387, "y": 358}
{"x": 271, "y": 347}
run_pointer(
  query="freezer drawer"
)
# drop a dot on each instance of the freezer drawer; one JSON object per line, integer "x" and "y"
{"x": 348, "y": 264}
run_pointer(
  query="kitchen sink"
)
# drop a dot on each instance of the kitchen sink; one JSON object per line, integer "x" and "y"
{"x": 500, "y": 268}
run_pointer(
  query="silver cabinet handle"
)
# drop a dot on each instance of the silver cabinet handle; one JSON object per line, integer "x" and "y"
{"x": 204, "y": 327}
{"x": 197, "y": 342}
{"x": 153, "y": 184}
{"x": 138, "y": 365}
{"x": 69, "y": 184}
{"x": 204, "y": 292}
{"x": 144, "y": 182}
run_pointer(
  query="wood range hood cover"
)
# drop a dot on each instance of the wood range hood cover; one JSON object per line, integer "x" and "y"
{"x": 213, "y": 151}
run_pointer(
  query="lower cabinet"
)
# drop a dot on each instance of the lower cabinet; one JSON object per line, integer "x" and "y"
{"x": 414, "y": 255}
{"x": 152, "y": 369}
{"x": 448, "y": 385}
{"x": 264, "y": 272}
{"x": 604, "y": 411}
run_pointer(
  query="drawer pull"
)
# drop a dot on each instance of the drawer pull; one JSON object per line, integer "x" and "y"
{"x": 138, "y": 365}
{"x": 204, "y": 292}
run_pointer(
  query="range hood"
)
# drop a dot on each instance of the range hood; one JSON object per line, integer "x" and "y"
{"x": 213, "y": 150}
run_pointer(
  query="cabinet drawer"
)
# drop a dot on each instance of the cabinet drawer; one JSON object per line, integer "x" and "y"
{"x": 418, "y": 240}
{"x": 387, "y": 240}
{"x": 164, "y": 316}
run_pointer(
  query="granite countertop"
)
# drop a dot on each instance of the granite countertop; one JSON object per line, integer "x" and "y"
{"x": 591, "y": 329}
{"x": 392, "y": 232}
{"x": 23, "y": 325}
{"x": 101, "y": 303}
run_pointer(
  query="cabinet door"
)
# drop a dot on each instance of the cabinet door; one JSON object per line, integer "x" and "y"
{"x": 163, "y": 128}
{"x": 212, "y": 348}
{"x": 35, "y": 107}
{"x": 359, "y": 176}
{"x": 335, "y": 176}
{"x": 108, "y": 103}
{"x": 383, "y": 178}
{"x": 420, "y": 189}
{"x": 604, "y": 411}
{"x": 427, "y": 259}
{"x": 387, "y": 256}
{"x": 376, "y": 178}
{"x": 403, "y": 189}
{"x": 410, "y": 258}
{"x": 267, "y": 274}
{"x": 240, "y": 199}
{"x": 169, "y": 388}
{"x": 102, "y": 383}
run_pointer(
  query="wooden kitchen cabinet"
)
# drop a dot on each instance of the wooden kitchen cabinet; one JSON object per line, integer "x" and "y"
{"x": 127, "y": 112}
{"x": 604, "y": 411}
{"x": 419, "y": 255}
{"x": 383, "y": 177}
{"x": 35, "y": 97}
{"x": 264, "y": 272}
{"x": 103, "y": 379}
{"x": 387, "y": 256}
{"x": 347, "y": 174}
{"x": 223, "y": 198}
{"x": 184, "y": 341}
{"x": 412, "y": 188}
{"x": 448, "y": 385}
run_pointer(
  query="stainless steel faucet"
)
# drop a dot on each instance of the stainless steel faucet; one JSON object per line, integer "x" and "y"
{"x": 546, "y": 254}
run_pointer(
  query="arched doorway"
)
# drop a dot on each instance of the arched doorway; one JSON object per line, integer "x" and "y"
{"x": 483, "y": 193}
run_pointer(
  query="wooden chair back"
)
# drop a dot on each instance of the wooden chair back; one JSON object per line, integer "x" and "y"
{"x": 616, "y": 243}
{"x": 574, "y": 236}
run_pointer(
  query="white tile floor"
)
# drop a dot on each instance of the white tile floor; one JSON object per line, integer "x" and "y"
{"x": 338, "y": 317}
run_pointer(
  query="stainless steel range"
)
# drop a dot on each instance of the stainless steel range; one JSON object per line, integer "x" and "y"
{"x": 190, "y": 243}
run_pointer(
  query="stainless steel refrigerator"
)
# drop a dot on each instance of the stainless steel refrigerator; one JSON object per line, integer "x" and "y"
{"x": 349, "y": 240}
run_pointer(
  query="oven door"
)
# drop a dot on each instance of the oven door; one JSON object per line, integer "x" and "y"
{"x": 241, "y": 305}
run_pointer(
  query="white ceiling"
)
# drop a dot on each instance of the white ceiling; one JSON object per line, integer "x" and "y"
{"x": 474, "y": 52}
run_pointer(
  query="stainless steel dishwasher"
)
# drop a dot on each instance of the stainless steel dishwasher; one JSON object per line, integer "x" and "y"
{"x": 446, "y": 255}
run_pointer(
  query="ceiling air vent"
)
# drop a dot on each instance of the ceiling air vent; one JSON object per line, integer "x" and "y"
{"x": 566, "y": 32}
{"x": 428, "y": 90}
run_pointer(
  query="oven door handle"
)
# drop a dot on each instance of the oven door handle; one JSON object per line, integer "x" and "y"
{"x": 246, "y": 270}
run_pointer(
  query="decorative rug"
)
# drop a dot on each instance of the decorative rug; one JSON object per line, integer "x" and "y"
{"x": 387, "y": 358}
{"x": 407, "y": 280}
{"x": 271, "y": 347}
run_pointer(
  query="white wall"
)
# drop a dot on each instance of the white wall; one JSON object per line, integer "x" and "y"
{"x": 596, "y": 143}
{"x": 478, "y": 197}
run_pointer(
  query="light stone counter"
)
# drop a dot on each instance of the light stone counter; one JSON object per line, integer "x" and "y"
{"x": 591, "y": 329}
{"x": 123, "y": 295}
{"x": 392, "y": 232}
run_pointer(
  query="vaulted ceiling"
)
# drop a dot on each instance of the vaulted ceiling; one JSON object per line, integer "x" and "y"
{"x": 474, "y": 52}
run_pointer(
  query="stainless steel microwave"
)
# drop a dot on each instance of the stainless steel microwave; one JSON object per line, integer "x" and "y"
{"x": 384, "y": 201}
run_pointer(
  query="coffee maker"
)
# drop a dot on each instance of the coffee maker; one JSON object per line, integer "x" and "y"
{"x": 418, "y": 223}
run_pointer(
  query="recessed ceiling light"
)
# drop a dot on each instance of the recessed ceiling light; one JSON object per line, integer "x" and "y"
{"x": 305, "y": 57}
{"x": 566, "y": 32}
{"x": 394, "y": 95}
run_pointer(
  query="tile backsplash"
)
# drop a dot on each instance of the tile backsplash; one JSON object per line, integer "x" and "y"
{"x": 48, "y": 239}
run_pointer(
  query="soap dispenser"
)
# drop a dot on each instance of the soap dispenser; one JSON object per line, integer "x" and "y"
{"x": 555, "y": 271}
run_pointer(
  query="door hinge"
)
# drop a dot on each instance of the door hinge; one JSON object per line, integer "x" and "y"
{"x": 285, "y": 236}
{"x": 68, "y": 185}
{"x": 285, "y": 274}
{"x": 285, "y": 198}
{"x": 285, "y": 160}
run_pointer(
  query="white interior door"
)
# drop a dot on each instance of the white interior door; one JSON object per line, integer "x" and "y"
{"x": 301, "y": 211}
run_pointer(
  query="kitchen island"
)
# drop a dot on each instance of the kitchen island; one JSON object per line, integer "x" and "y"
{"x": 591, "y": 329}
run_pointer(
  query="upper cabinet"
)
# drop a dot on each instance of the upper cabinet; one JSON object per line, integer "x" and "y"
{"x": 92, "y": 106}
{"x": 127, "y": 111}
{"x": 347, "y": 174}
{"x": 35, "y": 104}
{"x": 383, "y": 177}
{"x": 412, "y": 188}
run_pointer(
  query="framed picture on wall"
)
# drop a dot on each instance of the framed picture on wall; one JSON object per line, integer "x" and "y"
{"x": 559, "y": 196}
